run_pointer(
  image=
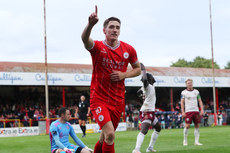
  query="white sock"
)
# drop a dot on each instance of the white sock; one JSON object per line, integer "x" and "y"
{"x": 185, "y": 134}
{"x": 153, "y": 139}
{"x": 197, "y": 135}
{"x": 140, "y": 139}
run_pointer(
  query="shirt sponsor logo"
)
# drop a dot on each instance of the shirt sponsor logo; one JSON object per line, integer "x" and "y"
{"x": 103, "y": 51}
{"x": 126, "y": 55}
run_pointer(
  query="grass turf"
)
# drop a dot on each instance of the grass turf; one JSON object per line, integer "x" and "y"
{"x": 215, "y": 140}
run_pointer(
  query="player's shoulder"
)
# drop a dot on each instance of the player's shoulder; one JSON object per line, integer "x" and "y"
{"x": 196, "y": 91}
{"x": 184, "y": 91}
{"x": 130, "y": 47}
{"x": 54, "y": 124}
{"x": 68, "y": 123}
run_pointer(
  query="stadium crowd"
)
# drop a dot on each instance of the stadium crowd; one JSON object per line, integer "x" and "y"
{"x": 25, "y": 109}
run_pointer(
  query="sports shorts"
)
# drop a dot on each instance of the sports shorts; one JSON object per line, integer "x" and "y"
{"x": 104, "y": 114}
{"x": 192, "y": 116}
{"x": 71, "y": 146}
{"x": 148, "y": 116}
{"x": 82, "y": 116}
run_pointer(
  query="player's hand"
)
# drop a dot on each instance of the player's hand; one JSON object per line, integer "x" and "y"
{"x": 142, "y": 67}
{"x": 89, "y": 149}
{"x": 117, "y": 76}
{"x": 201, "y": 113}
{"x": 183, "y": 114}
{"x": 67, "y": 150}
{"x": 93, "y": 18}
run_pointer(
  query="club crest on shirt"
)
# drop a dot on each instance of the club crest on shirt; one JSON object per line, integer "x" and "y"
{"x": 100, "y": 118}
{"x": 126, "y": 55}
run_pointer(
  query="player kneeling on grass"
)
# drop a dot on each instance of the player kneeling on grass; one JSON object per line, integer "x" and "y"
{"x": 59, "y": 135}
{"x": 147, "y": 112}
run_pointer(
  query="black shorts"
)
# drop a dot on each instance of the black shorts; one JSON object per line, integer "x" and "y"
{"x": 77, "y": 151}
{"x": 82, "y": 116}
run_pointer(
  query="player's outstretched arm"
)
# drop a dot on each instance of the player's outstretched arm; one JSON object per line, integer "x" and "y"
{"x": 75, "y": 138}
{"x": 144, "y": 75}
{"x": 93, "y": 19}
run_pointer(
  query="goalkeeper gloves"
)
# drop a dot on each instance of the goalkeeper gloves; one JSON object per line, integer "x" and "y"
{"x": 89, "y": 149}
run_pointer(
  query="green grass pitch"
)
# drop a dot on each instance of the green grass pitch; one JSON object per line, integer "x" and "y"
{"x": 215, "y": 140}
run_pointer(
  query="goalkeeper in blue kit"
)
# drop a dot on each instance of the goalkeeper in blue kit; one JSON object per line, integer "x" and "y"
{"x": 59, "y": 133}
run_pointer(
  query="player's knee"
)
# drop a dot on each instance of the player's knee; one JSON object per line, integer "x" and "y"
{"x": 109, "y": 137}
{"x": 144, "y": 131}
{"x": 158, "y": 128}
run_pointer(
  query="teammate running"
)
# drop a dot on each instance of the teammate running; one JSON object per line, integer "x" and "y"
{"x": 59, "y": 135}
{"x": 147, "y": 112}
{"x": 189, "y": 108}
{"x": 110, "y": 59}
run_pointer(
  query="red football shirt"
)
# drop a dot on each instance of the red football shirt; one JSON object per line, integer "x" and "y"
{"x": 105, "y": 59}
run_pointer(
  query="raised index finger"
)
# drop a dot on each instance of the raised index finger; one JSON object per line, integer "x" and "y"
{"x": 96, "y": 9}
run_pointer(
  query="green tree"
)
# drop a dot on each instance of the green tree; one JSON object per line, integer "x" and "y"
{"x": 228, "y": 65}
{"x": 198, "y": 62}
{"x": 180, "y": 63}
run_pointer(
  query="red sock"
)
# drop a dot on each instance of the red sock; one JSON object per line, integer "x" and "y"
{"x": 98, "y": 147}
{"x": 108, "y": 148}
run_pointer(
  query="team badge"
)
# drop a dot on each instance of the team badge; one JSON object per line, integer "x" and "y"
{"x": 187, "y": 119}
{"x": 100, "y": 118}
{"x": 126, "y": 55}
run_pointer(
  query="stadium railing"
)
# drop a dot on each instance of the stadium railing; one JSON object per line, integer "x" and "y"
{"x": 30, "y": 122}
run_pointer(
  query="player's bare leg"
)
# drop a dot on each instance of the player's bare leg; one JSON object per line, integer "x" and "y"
{"x": 154, "y": 137}
{"x": 187, "y": 126}
{"x": 109, "y": 136}
{"x": 197, "y": 135}
{"x": 141, "y": 135}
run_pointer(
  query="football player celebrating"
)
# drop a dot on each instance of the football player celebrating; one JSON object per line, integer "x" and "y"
{"x": 147, "y": 112}
{"x": 110, "y": 60}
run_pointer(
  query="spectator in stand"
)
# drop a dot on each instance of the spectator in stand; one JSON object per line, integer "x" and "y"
{"x": 179, "y": 121}
{"x": 220, "y": 118}
{"x": 162, "y": 121}
{"x": 136, "y": 118}
{"x": 31, "y": 112}
{"x": 205, "y": 119}
{"x": 1, "y": 121}
{"x": 174, "y": 119}
{"x": 177, "y": 107}
{"x": 168, "y": 121}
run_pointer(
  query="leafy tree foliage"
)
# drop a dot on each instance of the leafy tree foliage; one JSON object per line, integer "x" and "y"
{"x": 227, "y": 65}
{"x": 198, "y": 62}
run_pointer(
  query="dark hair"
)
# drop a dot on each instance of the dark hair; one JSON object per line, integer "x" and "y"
{"x": 106, "y": 22}
{"x": 150, "y": 78}
{"x": 62, "y": 111}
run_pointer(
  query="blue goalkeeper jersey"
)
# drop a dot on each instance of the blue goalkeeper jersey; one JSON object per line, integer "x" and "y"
{"x": 59, "y": 135}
